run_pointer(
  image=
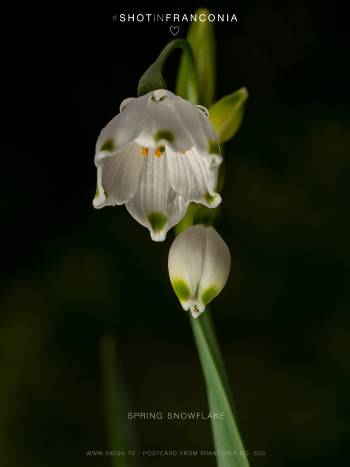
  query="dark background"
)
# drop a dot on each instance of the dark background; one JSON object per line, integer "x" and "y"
{"x": 71, "y": 273}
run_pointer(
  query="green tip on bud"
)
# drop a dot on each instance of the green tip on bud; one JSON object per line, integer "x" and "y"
{"x": 181, "y": 289}
{"x": 209, "y": 294}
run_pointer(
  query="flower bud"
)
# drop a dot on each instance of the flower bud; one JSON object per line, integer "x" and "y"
{"x": 199, "y": 265}
{"x": 226, "y": 114}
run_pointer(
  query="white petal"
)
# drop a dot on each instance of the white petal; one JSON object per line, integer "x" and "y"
{"x": 162, "y": 124}
{"x": 185, "y": 264}
{"x": 118, "y": 175}
{"x": 155, "y": 205}
{"x": 199, "y": 127}
{"x": 124, "y": 127}
{"x": 216, "y": 266}
{"x": 192, "y": 177}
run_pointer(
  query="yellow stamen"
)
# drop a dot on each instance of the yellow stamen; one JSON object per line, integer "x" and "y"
{"x": 144, "y": 152}
{"x": 158, "y": 152}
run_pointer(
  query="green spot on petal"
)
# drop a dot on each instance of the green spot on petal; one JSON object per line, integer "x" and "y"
{"x": 157, "y": 221}
{"x": 209, "y": 197}
{"x": 162, "y": 148}
{"x": 214, "y": 147}
{"x": 97, "y": 194}
{"x": 181, "y": 289}
{"x": 108, "y": 145}
{"x": 163, "y": 134}
{"x": 209, "y": 294}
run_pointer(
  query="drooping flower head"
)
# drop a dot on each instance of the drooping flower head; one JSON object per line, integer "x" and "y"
{"x": 199, "y": 265}
{"x": 158, "y": 154}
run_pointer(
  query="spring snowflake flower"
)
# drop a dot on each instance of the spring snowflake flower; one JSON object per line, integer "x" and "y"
{"x": 199, "y": 265}
{"x": 157, "y": 155}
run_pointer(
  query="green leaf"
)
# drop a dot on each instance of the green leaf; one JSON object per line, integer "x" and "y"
{"x": 225, "y": 431}
{"x": 121, "y": 436}
{"x": 226, "y": 114}
{"x": 201, "y": 37}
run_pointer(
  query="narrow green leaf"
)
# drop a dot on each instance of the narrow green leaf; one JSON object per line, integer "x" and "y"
{"x": 119, "y": 430}
{"x": 226, "y": 114}
{"x": 210, "y": 333}
{"x": 202, "y": 39}
{"x": 225, "y": 431}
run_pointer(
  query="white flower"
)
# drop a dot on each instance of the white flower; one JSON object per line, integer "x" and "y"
{"x": 199, "y": 265}
{"x": 158, "y": 154}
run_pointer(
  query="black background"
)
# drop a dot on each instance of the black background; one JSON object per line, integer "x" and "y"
{"x": 71, "y": 274}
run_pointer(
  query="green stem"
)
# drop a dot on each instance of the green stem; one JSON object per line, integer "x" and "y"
{"x": 225, "y": 432}
{"x": 153, "y": 77}
{"x": 209, "y": 331}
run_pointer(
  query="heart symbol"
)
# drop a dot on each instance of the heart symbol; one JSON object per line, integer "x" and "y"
{"x": 174, "y": 30}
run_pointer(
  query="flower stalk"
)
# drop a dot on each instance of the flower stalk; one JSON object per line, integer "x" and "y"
{"x": 225, "y": 432}
{"x": 153, "y": 77}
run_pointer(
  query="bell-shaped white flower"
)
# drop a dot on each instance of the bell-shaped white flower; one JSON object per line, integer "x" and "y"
{"x": 199, "y": 265}
{"x": 158, "y": 154}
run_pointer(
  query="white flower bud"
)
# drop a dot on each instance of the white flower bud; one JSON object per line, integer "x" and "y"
{"x": 199, "y": 265}
{"x": 157, "y": 155}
